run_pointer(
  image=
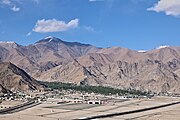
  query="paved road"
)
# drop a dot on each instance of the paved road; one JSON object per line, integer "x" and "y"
{"x": 20, "y": 107}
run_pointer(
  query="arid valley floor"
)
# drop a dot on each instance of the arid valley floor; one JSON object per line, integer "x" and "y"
{"x": 50, "y": 110}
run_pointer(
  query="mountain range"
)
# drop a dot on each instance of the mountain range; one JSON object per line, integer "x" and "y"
{"x": 52, "y": 59}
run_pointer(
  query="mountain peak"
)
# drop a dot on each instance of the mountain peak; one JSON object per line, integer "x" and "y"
{"x": 51, "y": 39}
{"x": 8, "y": 44}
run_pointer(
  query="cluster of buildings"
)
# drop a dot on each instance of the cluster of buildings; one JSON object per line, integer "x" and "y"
{"x": 60, "y": 97}
{"x": 65, "y": 96}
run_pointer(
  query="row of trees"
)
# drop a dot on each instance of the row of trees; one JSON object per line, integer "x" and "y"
{"x": 92, "y": 89}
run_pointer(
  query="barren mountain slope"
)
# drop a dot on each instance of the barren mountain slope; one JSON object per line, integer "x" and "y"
{"x": 15, "y": 79}
{"x": 156, "y": 75}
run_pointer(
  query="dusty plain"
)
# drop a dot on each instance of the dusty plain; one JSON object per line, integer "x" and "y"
{"x": 68, "y": 111}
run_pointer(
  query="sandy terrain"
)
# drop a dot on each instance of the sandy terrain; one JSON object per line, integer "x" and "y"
{"x": 53, "y": 111}
{"x": 7, "y": 104}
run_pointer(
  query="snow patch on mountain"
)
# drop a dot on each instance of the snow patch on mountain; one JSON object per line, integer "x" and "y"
{"x": 5, "y": 42}
{"x": 142, "y": 51}
{"x": 163, "y": 46}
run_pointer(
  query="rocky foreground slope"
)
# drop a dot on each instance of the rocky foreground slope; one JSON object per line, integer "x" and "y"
{"x": 13, "y": 79}
{"x": 52, "y": 59}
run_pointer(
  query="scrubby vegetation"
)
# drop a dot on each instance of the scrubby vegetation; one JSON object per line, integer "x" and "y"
{"x": 93, "y": 89}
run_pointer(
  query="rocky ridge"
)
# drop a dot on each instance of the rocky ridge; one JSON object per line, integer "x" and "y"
{"x": 14, "y": 79}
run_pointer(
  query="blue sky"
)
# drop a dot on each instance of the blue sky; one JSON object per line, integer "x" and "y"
{"x": 134, "y": 24}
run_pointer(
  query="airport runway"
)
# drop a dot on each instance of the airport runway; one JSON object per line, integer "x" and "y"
{"x": 128, "y": 112}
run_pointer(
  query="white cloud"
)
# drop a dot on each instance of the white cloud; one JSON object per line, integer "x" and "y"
{"x": 11, "y": 4}
{"x": 170, "y": 7}
{"x": 6, "y": 2}
{"x": 15, "y": 9}
{"x": 53, "y": 25}
{"x": 29, "y": 33}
